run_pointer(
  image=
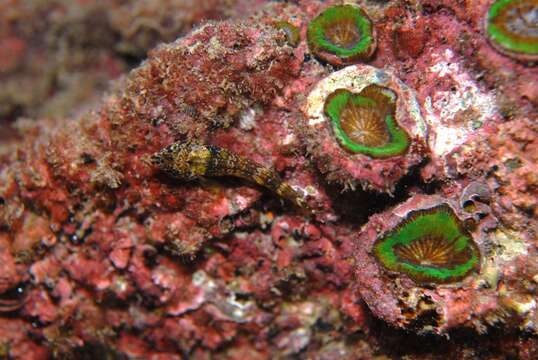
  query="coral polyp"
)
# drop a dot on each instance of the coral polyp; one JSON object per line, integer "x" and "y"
{"x": 345, "y": 34}
{"x": 512, "y": 27}
{"x": 364, "y": 127}
{"x": 342, "y": 35}
{"x": 293, "y": 36}
{"x": 429, "y": 246}
{"x": 428, "y": 250}
{"x": 361, "y": 124}
{"x": 364, "y": 123}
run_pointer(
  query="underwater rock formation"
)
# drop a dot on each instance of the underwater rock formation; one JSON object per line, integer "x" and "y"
{"x": 427, "y": 227}
{"x": 58, "y": 55}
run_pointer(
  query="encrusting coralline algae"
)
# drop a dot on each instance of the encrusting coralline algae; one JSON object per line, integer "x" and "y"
{"x": 407, "y": 254}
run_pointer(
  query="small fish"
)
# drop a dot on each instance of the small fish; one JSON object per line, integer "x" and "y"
{"x": 189, "y": 161}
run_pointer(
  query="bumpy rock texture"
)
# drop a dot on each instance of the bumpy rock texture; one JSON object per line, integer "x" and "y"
{"x": 56, "y": 54}
{"x": 104, "y": 256}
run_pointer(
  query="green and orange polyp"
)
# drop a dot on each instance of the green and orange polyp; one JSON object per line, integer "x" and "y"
{"x": 344, "y": 31}
{"x": 512, "y": 27}
{"x": 429, "y": 246}
{"x": 365, "y": 123}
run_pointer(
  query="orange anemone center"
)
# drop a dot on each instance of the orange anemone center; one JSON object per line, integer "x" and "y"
{"x": 431, "y": 251}
{"x": 364, "y": 126}
{"x": 343, "y": 33}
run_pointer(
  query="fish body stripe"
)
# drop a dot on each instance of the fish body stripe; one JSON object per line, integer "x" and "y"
{"x": 189, "y": 161}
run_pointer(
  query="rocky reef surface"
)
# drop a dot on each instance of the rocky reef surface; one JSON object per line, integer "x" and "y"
{"x": 417, "y": 167}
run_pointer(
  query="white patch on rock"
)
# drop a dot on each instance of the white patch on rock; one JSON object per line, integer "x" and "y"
{"x": 511, "y": 244}
{"x": 247, "y": 120}
{"x": 224, "y": 298}
{"x": 453, "y": 115}
{"x": 289, "y": 139}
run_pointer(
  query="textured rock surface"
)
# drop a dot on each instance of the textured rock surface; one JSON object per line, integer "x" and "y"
{"x": 103, "y": 256}
{"x": 58, "y": 55}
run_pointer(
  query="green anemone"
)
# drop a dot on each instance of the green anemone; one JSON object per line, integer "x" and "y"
{"x": 429, "y": 246}
{"x": 512, "y": 26}
{"x": 344, "y": 31}
{"x": 365, "y": 123}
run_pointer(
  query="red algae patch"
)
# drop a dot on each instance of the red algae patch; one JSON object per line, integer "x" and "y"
{"x": 105, "y": 256}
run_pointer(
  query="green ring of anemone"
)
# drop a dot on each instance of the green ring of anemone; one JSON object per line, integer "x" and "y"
{"x": 399, "y": 140}
{"x": 316, "y": 31}
{"x": 439, "y": 221}
{"x": 502, "y": 38}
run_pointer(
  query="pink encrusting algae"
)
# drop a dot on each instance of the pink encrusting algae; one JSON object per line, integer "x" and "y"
{"x": 108, "y": 250}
